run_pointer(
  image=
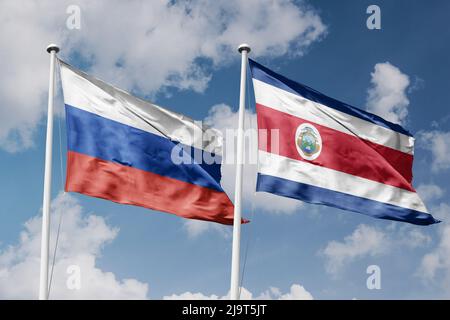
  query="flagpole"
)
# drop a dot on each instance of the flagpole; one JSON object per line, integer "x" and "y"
{"x": 244, "y": 49}
{"x": 45, "y": 238}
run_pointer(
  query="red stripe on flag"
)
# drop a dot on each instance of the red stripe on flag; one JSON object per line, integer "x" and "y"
{"x": 340, "y": 151}
{"x": 107, "y": 180}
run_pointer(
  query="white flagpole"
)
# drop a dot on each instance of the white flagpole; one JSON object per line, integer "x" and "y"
{"x": 43, "y": 280}
{"x": 244, "y": 49}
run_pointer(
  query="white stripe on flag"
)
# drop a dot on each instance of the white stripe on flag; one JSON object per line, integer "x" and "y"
{"x": 90, "y": 94}
{"x": 307, "y": 173}
{"x": 287, "y": 102}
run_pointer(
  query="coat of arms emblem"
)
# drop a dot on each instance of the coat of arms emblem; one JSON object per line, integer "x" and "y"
{"x": 308, "y": 141}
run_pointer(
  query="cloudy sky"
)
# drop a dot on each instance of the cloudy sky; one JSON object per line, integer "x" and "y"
{"x": 183, "y": 56}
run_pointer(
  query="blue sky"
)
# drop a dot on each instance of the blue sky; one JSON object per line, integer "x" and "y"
{"x": 324, "y": 250}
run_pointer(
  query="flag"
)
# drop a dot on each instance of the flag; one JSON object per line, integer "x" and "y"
{"x": 130, "y": 151}
{"x": 319, "y": 150}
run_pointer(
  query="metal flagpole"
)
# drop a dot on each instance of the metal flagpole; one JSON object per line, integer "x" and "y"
{"x": 43, "y": 280}
{"x": 244, "y": 49}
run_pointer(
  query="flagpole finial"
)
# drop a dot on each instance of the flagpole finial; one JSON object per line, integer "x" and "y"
{"x": 52, "y": 47}
{"x": 244, "y": 47}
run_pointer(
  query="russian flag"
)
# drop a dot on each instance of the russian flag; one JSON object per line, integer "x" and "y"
{"x": 322, "y": 151}
{"x": 129, "y": 151}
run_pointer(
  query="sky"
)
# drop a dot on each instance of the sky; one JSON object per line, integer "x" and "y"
{"x": 183, "y": 56}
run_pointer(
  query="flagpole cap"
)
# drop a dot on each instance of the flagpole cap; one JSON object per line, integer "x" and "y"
{"x": 244, "y": 47}
{"x": 52, "y": 47}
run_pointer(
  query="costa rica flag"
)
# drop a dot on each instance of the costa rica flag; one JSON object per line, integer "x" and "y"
{"x": 319, "y": 150}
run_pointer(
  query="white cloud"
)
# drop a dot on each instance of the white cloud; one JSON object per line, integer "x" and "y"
{"x": 191, "y": 296}
{"x": 365, "y": 240}
{"x": 25, "y": 31}
{"x": 296, "y": 292}
{"x": 429, "y": 192}
{"x": 438, "y": 143}
{"x": 430, "y": 263}
{"x": 194, "y": 228}
{"x": 81, "y": 241}
{"x": 368, "y": 241}
{"x": 435, "y": 265}
{"x": 140, "y": 45}
{"x": 387, "y": 95}
{"x": 245, "y": 295}
{"x": 412, "y": 238}
{"x": 441, "y": 211}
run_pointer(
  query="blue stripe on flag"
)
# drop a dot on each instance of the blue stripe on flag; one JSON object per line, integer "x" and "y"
{"x": 109, "y": 140}
{"x": 268, "y": 76}
{"x": 317, "y": 195}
